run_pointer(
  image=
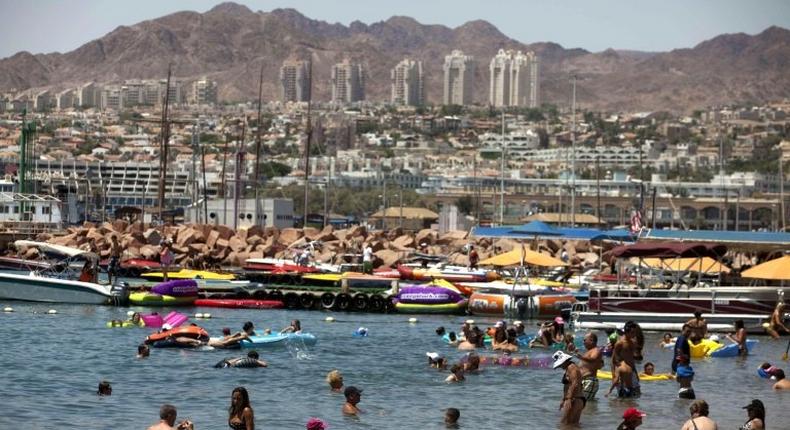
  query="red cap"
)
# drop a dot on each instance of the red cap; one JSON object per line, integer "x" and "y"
{"x": 633, "y": 413}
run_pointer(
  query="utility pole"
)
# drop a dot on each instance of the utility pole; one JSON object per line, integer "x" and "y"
{"x": 307, "y": 148}
{"x": 237, "y": 184}
{"x": 723, "y": 206}
{"x": 782, "y": 194}
{"x": 257, "y": 182}
{"x": 573, "y": 155}
{"x": 400, "y": 216}
{"x": 163, "y": 148}
{"x": 476, "y": 187}
{"x": 224, "y": 183}
{"x": 598, "y": 187}
{"x": 502, "y": 180}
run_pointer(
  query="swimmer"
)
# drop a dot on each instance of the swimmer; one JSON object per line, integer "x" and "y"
{"x": 766, "y": 370}
{"x": 573, "y": 398}
{"x": 623, "y": 362}
{"x": 632, "y": 418}
{"x": 353, "y": 396}
{"x": 440, "y": 331}
{"x": 240, "y": 414}
{"x": 456, "y": 374}
{"x": 570, "y": 347}
{"x": 739, "y": 337}
{"x": 699, "y": 327}
{"x": 649, "y": 369}
{"x": 451, "y": 416}
{"x": 105, "y": 389}
{"x": 250, "y": 361}
{"x": 315, "y": 424}
{"x": 295, "y": 327}
{"x": 335, "y": 381}
{"x": 699, "y": 417}
{"x": 666, "y": 340}
{"x": 590, "y": 362}
{"x": 781, "y": 382}
{"x": 167, "y": 419}
{"x": 756, "y": 412}
{"x": 453, "y": 339}
{"x": 500, "y": 339}
{"x": 143, "y": 351}
{"x": 469, "y": 343}
{"x": 545, "y": 336}
{"x": 248, "y": 329}
{"x": 436, "y": 361}
{"x": 471, "y": 363}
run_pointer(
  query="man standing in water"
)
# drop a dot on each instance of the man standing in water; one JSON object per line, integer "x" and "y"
{"x": 699, "y": 327}
{"x": 590, "y": 363}
{"x": 167, "y": 415}
{"x": 353, "y": 396}
{"x": 623, "y": 362}
{"x": 682, "y": 347}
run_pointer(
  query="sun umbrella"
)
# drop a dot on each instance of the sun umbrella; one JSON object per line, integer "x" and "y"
{"x": 513, "y": 258}
{"x": 777, "y": 269}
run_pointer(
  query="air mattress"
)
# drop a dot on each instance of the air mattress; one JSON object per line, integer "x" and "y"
{"x": 176, "y": 288}
{"x": 240, "y": 303}
{"x": 274, "y": 340}
{"x": 602, "y": 374}
{"x": 151, "y": 299}
{"x": 731, "y": 350}
{"x": 703, "y": 348}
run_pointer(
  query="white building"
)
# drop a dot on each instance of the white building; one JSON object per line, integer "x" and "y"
{"x": 66, "y": 99}
{"x": 459, "y": 73}
{"x": 295, "y": 81}
{"x": 265, "y": 213}
{"x": 203, "y": 92}
{"x": 407, "y": 83}
{"x": 514, "y": 79}
{"x": 112, "y": 97}
{"x": 348, "y": 82}
{"x": 89, "y": 95}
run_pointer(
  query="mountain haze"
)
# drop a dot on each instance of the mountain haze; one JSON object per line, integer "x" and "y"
{"x": 230, "y": 43}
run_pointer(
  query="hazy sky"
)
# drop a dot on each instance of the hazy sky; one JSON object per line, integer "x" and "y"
{"x": 658, "y": 25}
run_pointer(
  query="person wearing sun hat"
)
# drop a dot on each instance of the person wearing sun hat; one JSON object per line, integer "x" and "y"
{"x": 632, "y": 418}
{"x": 316, "y": 424}
{"x": 756, "y": 411}
{"x": 573, "y": 399}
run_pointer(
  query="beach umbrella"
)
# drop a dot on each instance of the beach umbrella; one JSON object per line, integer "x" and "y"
{"x": 777, "y": 269}
{"x": 513, "y": 258}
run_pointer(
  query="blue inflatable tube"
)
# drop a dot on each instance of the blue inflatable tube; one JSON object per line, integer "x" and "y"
{"x": 731, "y": 350}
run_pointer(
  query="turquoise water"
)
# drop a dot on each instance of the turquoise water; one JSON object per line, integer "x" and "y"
{"x": 52, "y": 365}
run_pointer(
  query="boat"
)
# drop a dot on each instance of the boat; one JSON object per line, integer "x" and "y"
{"x": 582, "y": 319}
{"x": 240, "y": 303}
{"x": 60, "y": 282}
{"x": 448, "y": 273}
{"x": 21, "y": 264}
{"x": 280, "y": 265}
{"x": 354, "y": 280}
{"x": 189, "y": 274}
{"x": 274, "y": 340}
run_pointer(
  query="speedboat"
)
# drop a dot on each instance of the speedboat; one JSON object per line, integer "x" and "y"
{"x": 72, "y": 278}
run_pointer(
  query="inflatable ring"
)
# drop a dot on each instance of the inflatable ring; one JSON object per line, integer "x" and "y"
{"x": 343, "y": 302}
{"x": 292, "y": 301}
{"x": 360, "y": 301}
{"x": 327, "y": 300}
{"x": 307, "y": 300}
{"x": 276, "y": 295}
{"x": 376, "y": 303}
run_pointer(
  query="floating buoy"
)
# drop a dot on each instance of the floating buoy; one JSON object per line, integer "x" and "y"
{"x": 330, "y": 319}
{"x": 129, "y": 313}
{"x": 412, "y": 320}
{"x": 198, "y": 316}
{"x": 52, "y": 311}
{"x": 470, "y": 322}
{"x": 206, "y": 316}
{"x": 8, "y": 309}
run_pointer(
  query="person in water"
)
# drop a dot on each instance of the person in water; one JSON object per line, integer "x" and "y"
{"x": 436, "y": 361}
{"x": 500, "y": 339}
{"x": 573, "y": 398}
{"x": 699, "y": 417}
{"x": 105, "y": 389}
{"x": 456, "y": 374}
{"x": 252, "y": 360}
{"x": 781, "y": 382}
{"x": 776, "y": 325}
{"x": 167, "y": 419}
{"x": 143, "y": 351}
{"x": 624, "y": 364}
{"x": 471, "y": 363}
{"x": 739, "y": 337}
{"x": 335, "y": 381}
{"x": 632, "y": 418}
{"x": 590, "y": 362}
{"x": 666, "y": 340}
{"x": 452, "y": 338}
{"x": 240, "y": 414}
{"x": 295, "y": 327}
{"x": 756, "y": 413}
{"x": 451, "y": 416}
{"x": 247, "y": 330}
{"x": 639, "y": 338}
{"x": 570, "y": 346}
{"x": 545, "y": 336}
{"x": 440, "y": 331}
{"x": 699, "y": 328}
{"x": 315, "y": 424}
{"x": 685, "y": 375}
{"x": 766, "y": 370}
{"x": 681, "y": 346}
{"x": 353, "y": 396}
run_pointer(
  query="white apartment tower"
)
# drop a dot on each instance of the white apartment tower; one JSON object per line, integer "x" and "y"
{"x": 348, "y": 82}
{"x": 514, "y": 79}
{"x": 295, "y": 80}
{"x": 407, "y": 83}
{"x": 459, "y": 72}
{"x": 89, "y": 95}
{"x": 203, "y": 92}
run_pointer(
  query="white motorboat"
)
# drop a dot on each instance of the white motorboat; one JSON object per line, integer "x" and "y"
{"x": 71, "y": 279}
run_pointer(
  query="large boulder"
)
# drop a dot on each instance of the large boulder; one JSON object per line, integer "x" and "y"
{"x": 212, "y": 239}
{"x": 152, "y": 236}
{"x": 451, "y": 236}
{"x": 150, "y": 252}
{"x": 426, "y": 236}
{"x": 289, "y": 236}
{"x": 237, "y": 244}
{"x": 387, "y": 257}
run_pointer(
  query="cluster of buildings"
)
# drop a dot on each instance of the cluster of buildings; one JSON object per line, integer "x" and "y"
{"x": 126, "y": 95}
{"x": 514, "y": 77}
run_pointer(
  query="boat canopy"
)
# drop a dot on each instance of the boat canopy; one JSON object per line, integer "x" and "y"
{"x": 777, "y": 269}
{"x": 689, "y": 264}
{"x": 61, "y": 250}
{"x": 669, "y": 250}
{"x": 535, "y": 230}
{"x": 514, "y": 258}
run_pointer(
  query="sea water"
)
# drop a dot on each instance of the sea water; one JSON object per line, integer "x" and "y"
{"x": 51, "y": 366}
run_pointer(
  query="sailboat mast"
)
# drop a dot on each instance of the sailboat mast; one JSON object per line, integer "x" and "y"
{"x": 307, "y": 147}
{"x": 163, "y": 147}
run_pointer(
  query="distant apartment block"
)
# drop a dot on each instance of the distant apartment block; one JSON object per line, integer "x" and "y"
{"x": 89, "y": 95}
{"x": 514, "y": 79}
{"x": 66, "y": 99}
{"x": 43, "y": 101}
{"x": 459, "y": 73}
{"x": 112, "y": 97}
{"x": 348, "y": 82}
{"x": 295, "y": 81}
{"x": 203, "y": 92}
{"x": 408, "y": 83}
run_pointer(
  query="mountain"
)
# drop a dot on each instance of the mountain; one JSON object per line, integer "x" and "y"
{"x": 230, "y": 43}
